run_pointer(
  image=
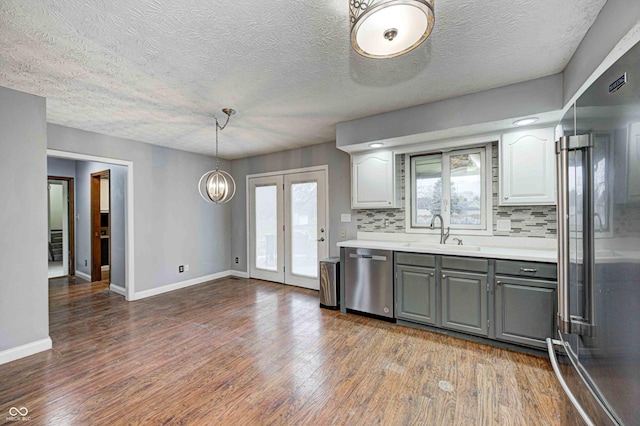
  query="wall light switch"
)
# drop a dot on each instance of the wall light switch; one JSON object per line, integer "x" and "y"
{"x": 186, "y": 268}
{"x": 503, "y": 225}
{"x": 343, "y": 233}
{"x": 345, "y": 217}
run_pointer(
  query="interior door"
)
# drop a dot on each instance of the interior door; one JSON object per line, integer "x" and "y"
{"x": 288, "y": 227}
{"x": 266, "y": 228}
{"x": 306, "y": 236}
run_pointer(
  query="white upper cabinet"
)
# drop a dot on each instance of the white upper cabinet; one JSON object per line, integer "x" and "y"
{"x": 527, "y": 168}
{"x": 374, "y": 183}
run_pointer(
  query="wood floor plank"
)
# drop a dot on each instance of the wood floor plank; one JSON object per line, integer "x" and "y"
{"x": 244, "y": 351}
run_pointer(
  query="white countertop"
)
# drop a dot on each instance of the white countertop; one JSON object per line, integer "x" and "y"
{"x": 492, "y": 252}
{"x": 608, "y": 250}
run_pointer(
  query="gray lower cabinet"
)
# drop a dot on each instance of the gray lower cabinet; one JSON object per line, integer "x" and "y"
{"x": 464, "y": 301}
{"x": 416, "y": 294}
{"x": 416, "y": 288}
{"x": 525, "y": 310}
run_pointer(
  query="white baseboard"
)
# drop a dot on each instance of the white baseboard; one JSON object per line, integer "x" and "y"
{"x": 240, "y": 274}
{"x": 117, "y": 289}
{"x": 182, "y": 284}
{"x": 83, "y": 275}
{"x": 18, "y": 352}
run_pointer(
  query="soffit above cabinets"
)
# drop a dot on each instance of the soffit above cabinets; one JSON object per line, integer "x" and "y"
{"x": 157, "y": 70}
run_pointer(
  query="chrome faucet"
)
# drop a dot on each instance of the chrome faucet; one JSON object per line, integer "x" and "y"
{"x": 443, "y": 236}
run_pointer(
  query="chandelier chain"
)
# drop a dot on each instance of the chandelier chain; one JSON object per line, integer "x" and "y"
{"x": 219, "y": 127}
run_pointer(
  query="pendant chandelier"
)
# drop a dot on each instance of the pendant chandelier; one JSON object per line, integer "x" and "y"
{"x": 389, "y": 28}
{"x": 217, "y": 186}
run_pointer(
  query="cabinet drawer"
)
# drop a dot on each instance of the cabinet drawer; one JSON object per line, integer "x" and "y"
{"x": 465, "y": 264}
{"x": 415, "y": 259}
{"x": 527, "y": 269}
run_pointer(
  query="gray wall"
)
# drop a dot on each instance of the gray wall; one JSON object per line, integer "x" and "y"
{"x": 526, "y": 98}
{"x": 316, "y": 155}
{"x": 117, "y": 193}
{"x": 616, "y": 18}
{"x": 24, "y": 302}
{"x": 173, "y": 225}
{"x": 61, "y": 167}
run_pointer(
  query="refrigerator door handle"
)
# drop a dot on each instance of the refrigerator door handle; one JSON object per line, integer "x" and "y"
{"x": 563, "y": 383}
{"x": 562, "y": 175}
{"x": 566, "y": 322}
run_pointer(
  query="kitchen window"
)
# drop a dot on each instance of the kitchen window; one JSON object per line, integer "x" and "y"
{"x": 454, "y": 184}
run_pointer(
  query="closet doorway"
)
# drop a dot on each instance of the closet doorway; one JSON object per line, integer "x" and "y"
{"x": 100, "y": 226}
{"x": 288, "y": 226}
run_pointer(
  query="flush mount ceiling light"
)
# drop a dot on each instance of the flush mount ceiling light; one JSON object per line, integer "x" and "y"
{"x": 525, "y": 121}
{"x": 389, "y": 28}
{"x": 217, "y": 186}
{"x": 376, "y": 145}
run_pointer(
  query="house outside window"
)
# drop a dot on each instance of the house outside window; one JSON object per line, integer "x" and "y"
{"x": 454, "y": 184}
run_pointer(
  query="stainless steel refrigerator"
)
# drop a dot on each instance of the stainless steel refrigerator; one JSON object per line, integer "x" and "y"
{"x": 598, "y": 169}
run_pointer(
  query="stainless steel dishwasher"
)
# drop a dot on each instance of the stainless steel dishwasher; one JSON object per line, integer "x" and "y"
{"x": 368, "y": 277}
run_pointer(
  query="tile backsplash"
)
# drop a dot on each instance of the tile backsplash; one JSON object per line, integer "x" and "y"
{"x": 526, "y": 221}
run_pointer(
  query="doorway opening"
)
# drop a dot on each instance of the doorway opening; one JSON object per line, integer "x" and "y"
{"x": 117, "y": 219}
{"x": 61, "y": 229}
{"x": 100, "y": 226}
{"x": 288, "y": 226}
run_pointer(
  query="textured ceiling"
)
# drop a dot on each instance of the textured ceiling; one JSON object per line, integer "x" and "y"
{"x": 158, "y": 70}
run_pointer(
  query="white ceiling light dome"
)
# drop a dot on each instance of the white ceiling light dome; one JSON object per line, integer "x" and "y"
{"x": 389, "y": 28}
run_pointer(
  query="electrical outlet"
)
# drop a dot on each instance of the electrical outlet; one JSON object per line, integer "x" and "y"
{"x": 181, "y": 269}
{"x": 186, "y": 268}
{"x": 237, "y": 260}
{"x": 343, "y": 233}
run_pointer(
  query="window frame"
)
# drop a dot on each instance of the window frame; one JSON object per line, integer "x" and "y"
{"x": 486, "y": 178}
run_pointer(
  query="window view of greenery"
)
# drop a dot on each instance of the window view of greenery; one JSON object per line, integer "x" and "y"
{"x": 460, "y": 173}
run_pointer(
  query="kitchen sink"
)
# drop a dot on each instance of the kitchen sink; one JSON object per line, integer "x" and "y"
{"x": 444, "y": 247}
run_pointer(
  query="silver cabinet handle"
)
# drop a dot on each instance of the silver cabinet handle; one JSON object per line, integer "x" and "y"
{"x": 498, "y": 282}
{"x": 528, "y": 270}
{"x": 506, "y": 197}
{"x": 431, "y": 273}
{"x": 444, "y": 276}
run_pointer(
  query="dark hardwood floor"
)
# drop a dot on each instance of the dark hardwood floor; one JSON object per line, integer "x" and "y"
{"x": 247, "y": 352}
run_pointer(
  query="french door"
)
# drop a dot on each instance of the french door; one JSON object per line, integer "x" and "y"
{"x": 288, "y": 227}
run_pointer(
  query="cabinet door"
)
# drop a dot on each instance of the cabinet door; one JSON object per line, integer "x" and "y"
{"x": 527, "y": 167}
{"x": 373, "y": 180}
{"x": 416, "y": 294}
{"x": 464, "y": 302}
{"x": 525, "y": 311}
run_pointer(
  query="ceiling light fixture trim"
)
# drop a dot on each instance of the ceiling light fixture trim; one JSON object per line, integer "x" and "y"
{"x": 217, "y": 186}
{"x": 389, "y": 28}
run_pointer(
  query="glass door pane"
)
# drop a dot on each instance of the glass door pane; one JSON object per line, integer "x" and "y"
{"x": 266, "y": 228}
{"x": 304, "y": 220}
